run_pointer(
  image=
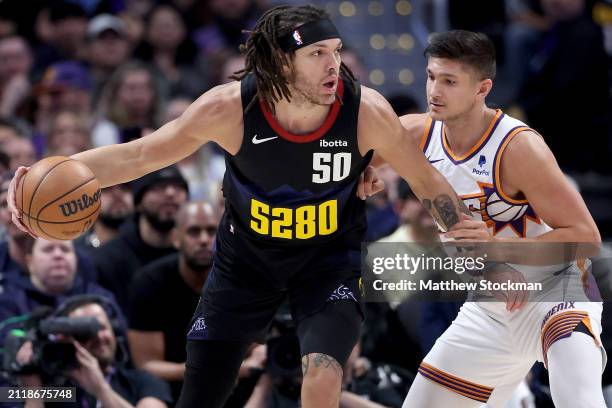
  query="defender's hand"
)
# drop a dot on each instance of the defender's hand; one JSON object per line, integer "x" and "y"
{"x": 369, "y": 183}
{"x": 514, "y": 299}
{"x": 468, "y": 229}
{"x": 11, "y": 200}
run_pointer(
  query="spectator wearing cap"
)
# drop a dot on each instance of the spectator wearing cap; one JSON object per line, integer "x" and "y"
{"x": 64, "y": 24}
{"x": 108, "y": 48}
{"x": 65, "y": 86}
{"x": 131, "y": 103}
{"x": 147, "y": 235}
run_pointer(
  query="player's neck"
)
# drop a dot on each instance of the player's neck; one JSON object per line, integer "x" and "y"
{"x": 300, "y": 116}
{"x": 462, "y": 133}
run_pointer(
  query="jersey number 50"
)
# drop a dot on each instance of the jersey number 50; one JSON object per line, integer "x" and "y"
{"x": 330, "y": 168}
{"x": 302, "y": 222}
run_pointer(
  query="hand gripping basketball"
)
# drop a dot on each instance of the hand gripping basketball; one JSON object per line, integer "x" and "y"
{"x": 58, "y": 198}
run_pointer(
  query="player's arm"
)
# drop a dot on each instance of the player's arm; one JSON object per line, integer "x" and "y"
{"x": 215, "y": 116}
{"x": 541, "y": 181}
{"x": 414, "y": 125}
{"x": 380, "y": 129}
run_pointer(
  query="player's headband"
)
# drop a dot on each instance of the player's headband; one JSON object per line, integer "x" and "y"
{"x": 307, "y": 34}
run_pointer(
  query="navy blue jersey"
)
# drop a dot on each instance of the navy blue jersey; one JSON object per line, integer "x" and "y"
{"x": 294, "y": 189}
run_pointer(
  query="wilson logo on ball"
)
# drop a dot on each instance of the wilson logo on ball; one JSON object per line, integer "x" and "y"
{"x": 72, "y": 207}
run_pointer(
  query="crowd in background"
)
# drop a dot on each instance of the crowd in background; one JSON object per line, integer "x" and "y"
{"x": 77, "y": 74}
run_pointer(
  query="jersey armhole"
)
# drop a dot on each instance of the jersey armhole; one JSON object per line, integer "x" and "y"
{"x": 429, "y": 126}
{"x": 497, "y": 165}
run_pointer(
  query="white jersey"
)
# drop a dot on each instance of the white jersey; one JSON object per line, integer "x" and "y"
{"x": 475, "y": 177}
{"x": 488, "y": 351}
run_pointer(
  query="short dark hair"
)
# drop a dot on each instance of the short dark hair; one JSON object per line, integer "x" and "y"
{"x": 473, "y": 49}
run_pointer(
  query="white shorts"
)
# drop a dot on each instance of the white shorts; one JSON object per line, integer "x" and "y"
{"x": 488, "y": 348}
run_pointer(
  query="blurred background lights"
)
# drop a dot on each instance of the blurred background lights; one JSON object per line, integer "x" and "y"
{"x": 403, "y": 7}
{"x": 406, "y": 77}
{"x": 347, "y": 9}
{"x": 377, "y": 41}
{"x": 377, "y": 77}
{"x": 375, "y": 8}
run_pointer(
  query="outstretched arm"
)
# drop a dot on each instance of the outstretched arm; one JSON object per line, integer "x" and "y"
{"x": 215, "y": 116}
{"x": 380, "y": 129}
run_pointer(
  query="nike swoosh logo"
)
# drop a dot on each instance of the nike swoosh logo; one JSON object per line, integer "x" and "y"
{"x": 255, "y": 140}
{"x": 435, "y": 161}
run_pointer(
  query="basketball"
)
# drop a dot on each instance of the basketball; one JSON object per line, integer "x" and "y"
{"x": 59, "y": 198}
{"x": 499, "y": 210}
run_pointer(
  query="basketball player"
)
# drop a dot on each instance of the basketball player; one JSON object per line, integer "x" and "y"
{"x": 492, "y": 159}
{"x": 299, "y": 131}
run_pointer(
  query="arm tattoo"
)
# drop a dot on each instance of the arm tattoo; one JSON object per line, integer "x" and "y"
{"x": 446, "y": 210}
{"x": 305, "y": 363}
{"x": 427, "y": 204}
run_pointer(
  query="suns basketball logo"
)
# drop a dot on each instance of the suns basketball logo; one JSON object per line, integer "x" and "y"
{"x": 498, "y": 213}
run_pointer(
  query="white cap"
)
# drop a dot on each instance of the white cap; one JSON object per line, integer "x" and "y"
{"x": 104, "y": 22}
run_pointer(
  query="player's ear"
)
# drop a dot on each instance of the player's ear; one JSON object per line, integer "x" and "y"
{"x": 485, "y": 87}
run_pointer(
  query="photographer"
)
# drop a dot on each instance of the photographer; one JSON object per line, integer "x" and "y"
{"x": 101, "y": 379}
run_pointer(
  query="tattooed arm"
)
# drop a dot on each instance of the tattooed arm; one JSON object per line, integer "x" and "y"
{"x": 379, "y": 129}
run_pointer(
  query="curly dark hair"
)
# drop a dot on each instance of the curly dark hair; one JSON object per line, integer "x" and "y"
{"x": 264, "y": 57}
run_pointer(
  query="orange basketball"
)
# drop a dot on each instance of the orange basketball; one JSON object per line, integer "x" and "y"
{"x": 59, "y": 198}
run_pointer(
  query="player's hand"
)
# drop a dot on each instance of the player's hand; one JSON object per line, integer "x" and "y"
{"x": 468, "y": 229}
{"x": 369, "y": 183}
{"x": 502, "y": 273}
{"x": 11, "y": 201}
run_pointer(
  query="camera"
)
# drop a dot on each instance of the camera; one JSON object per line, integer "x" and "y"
{"x": 53, "y": 353}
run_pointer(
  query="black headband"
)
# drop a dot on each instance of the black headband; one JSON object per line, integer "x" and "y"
{"x": 307, "y": 34}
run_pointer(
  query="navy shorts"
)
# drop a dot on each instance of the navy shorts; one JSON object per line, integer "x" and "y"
{"x": 250, "y": 279}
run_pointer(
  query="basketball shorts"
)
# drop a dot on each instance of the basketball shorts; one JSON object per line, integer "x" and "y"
{"x": 249, "y": 281}
{"x": 487, "y": 351}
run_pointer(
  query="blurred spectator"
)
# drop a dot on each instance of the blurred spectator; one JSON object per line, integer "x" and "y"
{"x": 102, "y": 379}
{"x": 65, "y": 86}
{"x": 15, "y": 86}
{"x": 117, "y": 206}
{"x": 108, "y": 48}
{"x": 14, "y": 242}
{"x": 51, "y": 278}
{"x": 20, "y": 151}
{"x": 147, "y": 235}
{"x": 13, "y": 248}
{"x": 526, "y": 23}
{"x": 157, "y": 328}
{"x": 69, "y": 134}
{"x": 234, "y": 62}
{"x": 355, "y": 63}
{"x": 203, "y": 169}
{"x": 566, "y": 92}
{"x": 131, "y": 102}
{"x": 224, "y": 32}
{"x": 171, "y": 51}
{"x": 10, "y": 129}
{"x": 64, "y": 24}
